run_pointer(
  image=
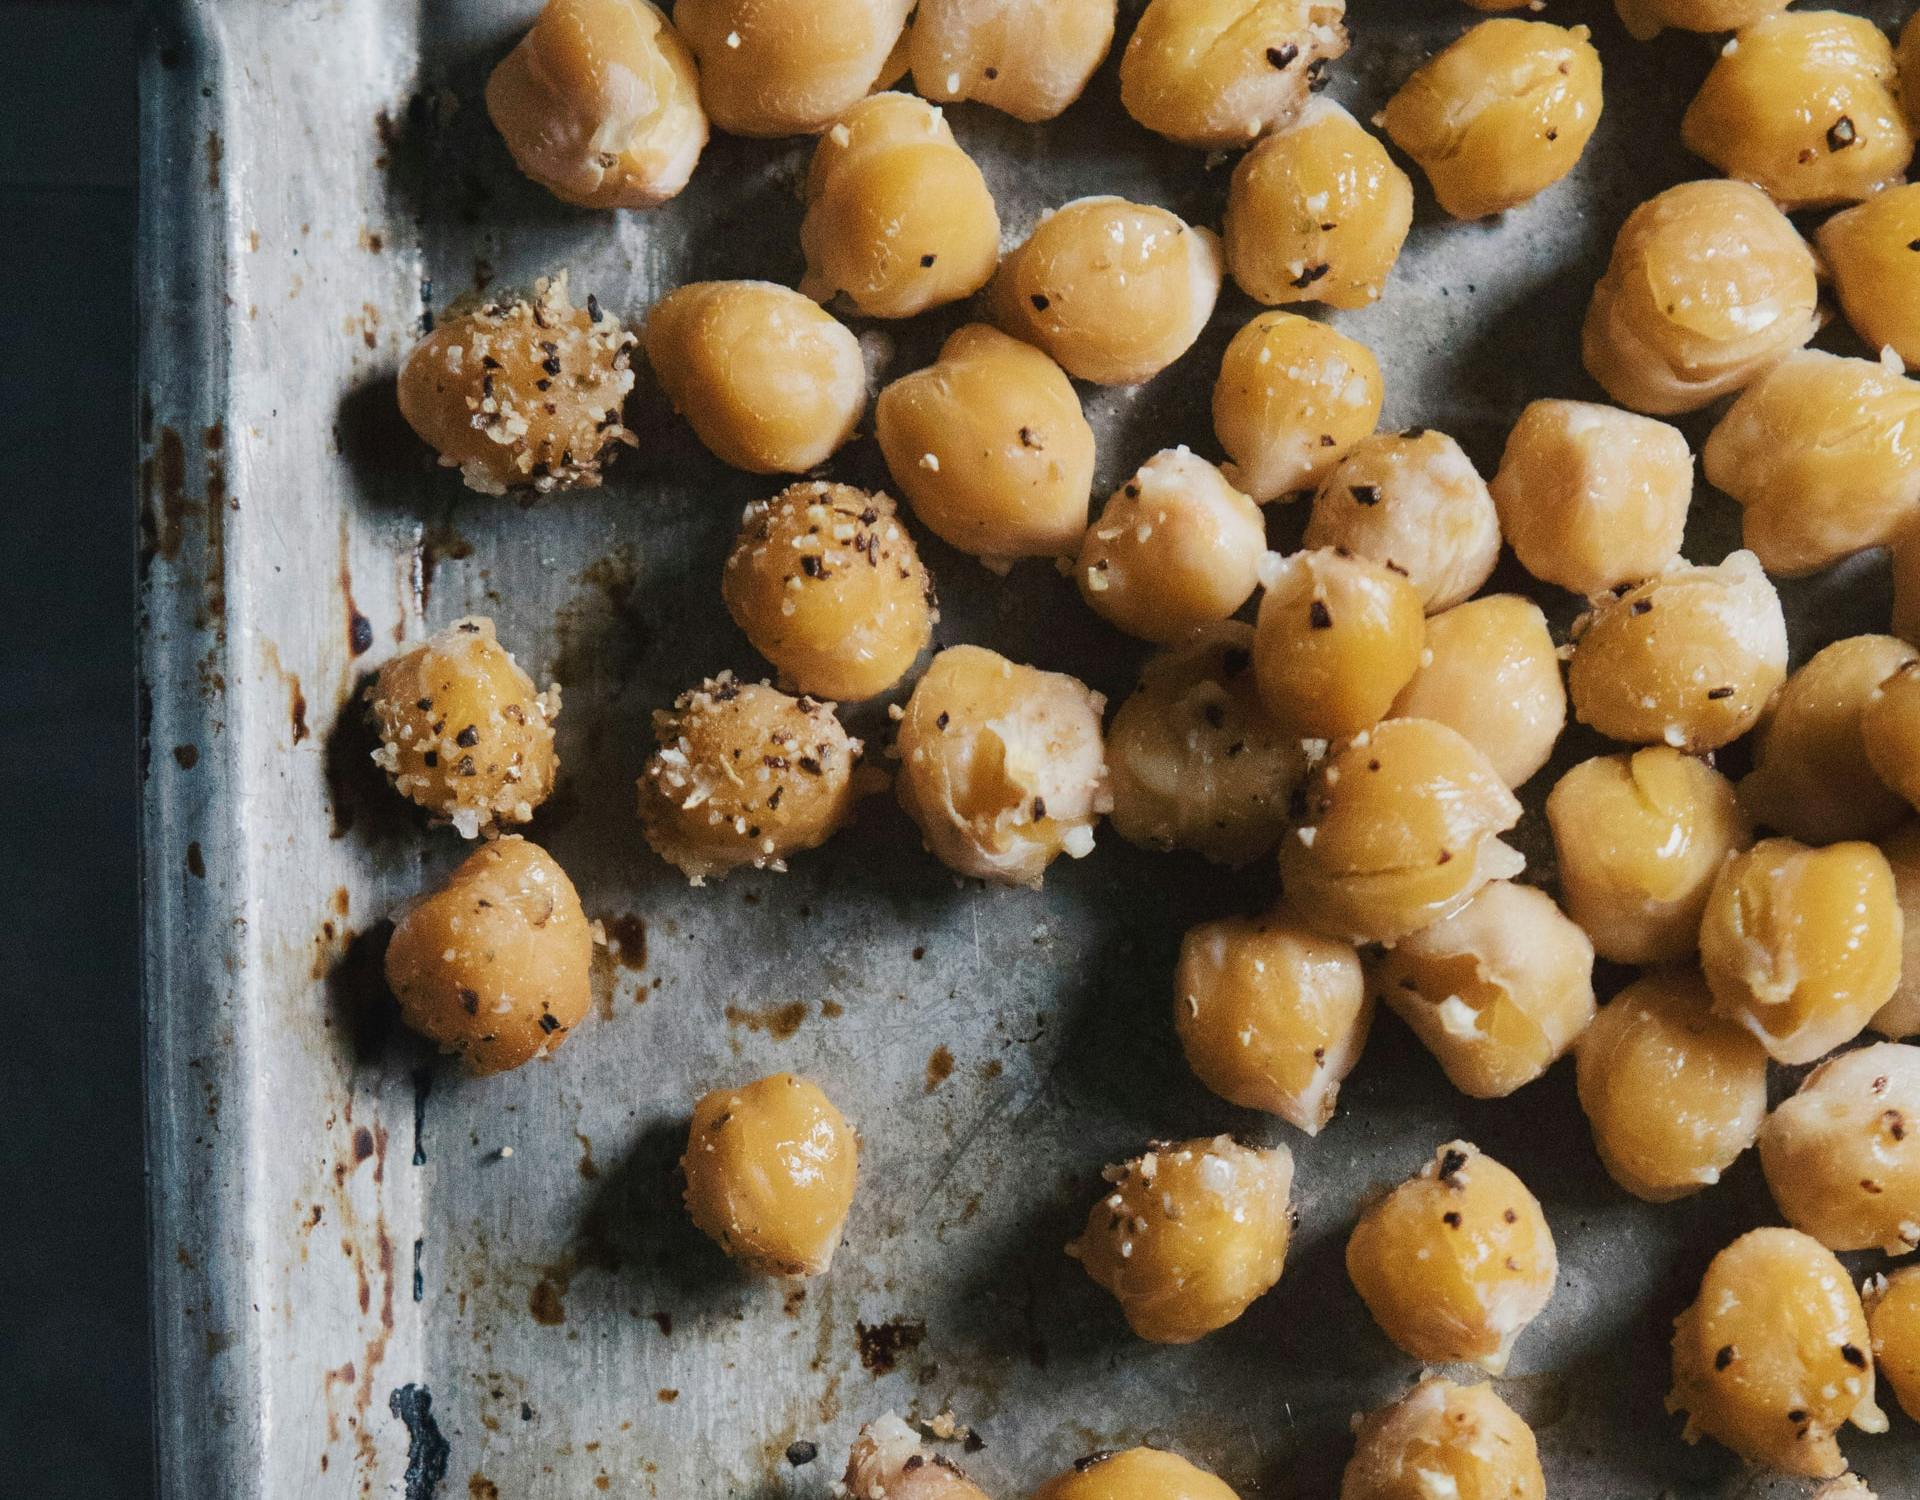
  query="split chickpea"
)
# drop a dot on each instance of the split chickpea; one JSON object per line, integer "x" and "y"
{"x": 1030, "y": 58}
{"x": 1460, "y": 1441}
{"x": 1868, "y": 250}
{"x": 1293, "y": 398}
{"x": 1893, "y": 1317}
{"x": 890, "y": 1461}
{"x": 1338, "y": 637}
{"x": 788, "y": 67}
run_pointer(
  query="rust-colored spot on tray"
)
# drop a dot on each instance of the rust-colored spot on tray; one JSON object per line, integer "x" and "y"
{"x": 586, "y": 1165}
{"x": 187, "y": 756}
{"x": 669, "y": 1395}
{"x": 479, "y": 1487}
{"x": 545, "y": 1303}
{"x": 164, "y": 502}
{"x": 436, "y": 544}
{"x": 832, "y": 1010}
{"x": 196, "y": 861}
{"x": 778, "y": 1021}
{"x": 627, "y": 939}
{"x": 881, "y": 1345}
{"x": 216, "y": 153}
{"x": 939, "y": 1067}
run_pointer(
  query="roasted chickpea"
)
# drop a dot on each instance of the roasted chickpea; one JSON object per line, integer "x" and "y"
{"x": 1591, "y": 497}
{"x": 788, "y": 67}
{"x": 495, "y": 966}
{"x": 1441, "y": 1439}
{"x": 889, "y": 1461}
{"x": 826, "y": 583}
{"x": 990, "y": 447}
{"x": 1900, "y": 1016}
{"x": 1771, "y": 1359}
{"x": 1893, "y": 1316}
{"x": 770, "y": 1169}
{"x": 1647, "y": 18}
{"x": 744, "y": 775}
{"x": 1176, "y": 548}
{"x": 1030, "y": 58}
{"x": 521, "y": 395}
{"x": 1338, "y": 638}
{"x": 1292, "y": 399}
{"x": 1190, "y": 1235}
{"x": 1456, "y": 1261}
{"x": 1709, "y": 286}
{"x": 1691, "y": 658}
{"x": 1491, "y": 671}
{"x": 1001, "y": 765}
{"x": 1134, "y": 1474}
{"x": 770, "y": 383}
{"x": 1801, "y": 946}
{"x": 1868, "y": 250}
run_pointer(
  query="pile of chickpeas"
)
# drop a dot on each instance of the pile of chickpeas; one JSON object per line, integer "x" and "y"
{"x": 1359, "y": 712}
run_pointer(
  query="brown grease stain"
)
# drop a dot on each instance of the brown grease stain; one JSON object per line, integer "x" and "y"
{"x": 187, "y": 756}
{"x": 585, "y": 1165}
{"x": 664, "y": 1321}
{"x": 216, "y": 153}
{"x": 992, "y": 1068}
{"x": 832, "y": 1010}
{"x": 668, "y": 1395}
{"x": 881, "y": 1345}
{"x": 778, "y": 1021}
{"x": 939, "y": 1067}
{"x": 435, "y": 544}
{"x": 627, "y": 939}
{"x": 196, "y": 861}
{"x": 545, "y": 1303}
{"x": 479, "y": 1487}
{"x": 164, "y": 501}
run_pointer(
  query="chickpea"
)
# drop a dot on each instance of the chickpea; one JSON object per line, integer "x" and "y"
{"x": 744, "y": 775}
{"x": 1455, "y": 1262}
{"x": 495, "y": 966}
{"x": 1639, "y": 837}
{"x": 1191, "y": 1234}
{"x": 1001, "y": 765}
{"x": 521, "y": 395}
{"x": 1460, "y": 1441}
{"x": 788, "y": 67}
{"x": 1176, "y": 548}
{"x": 1491, "y": 671}
{"x": 1134, "y": 1474}
{"x": 1846, "y": 1487}
{"x": 770, "y": 1169}
{"x": 1889, "y": 728}
{"x": 1402, "y": 828}
{"x": 1293, "y": 398}
{"x": 1691, "y": 658}
{"x": 890, "y": 1462}
{"x": 1709, "y": 286}
{"x": 1500, "y": 115}
{"x": 1030, "y": 58}
{"x": 1115, "y": 291}
{"x": 1801, "y": 946}
{"x": 899, "y": 218}
{"x": 1771, "y": 1359}
{"x": 1893, "y": 1316}
{"x": 770, "y": 383}
{"x": 1271, "y": 1015}
{"x": 1591, "y": 497}
{"x": 600, "y": 104}
{"x": 990, "y": 447}
{"x": 1868, "y": 250}
{"x": 1647, "y": 18}
{"x": 1337, "y": 639}
{"x": 1900, "y": 1016}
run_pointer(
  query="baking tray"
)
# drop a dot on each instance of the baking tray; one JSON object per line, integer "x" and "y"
{"x": 357, "y": 1290}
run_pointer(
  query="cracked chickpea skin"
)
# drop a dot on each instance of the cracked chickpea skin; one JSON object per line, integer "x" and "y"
{"x": 1868, "y": 250}
{"x": 1461, "y": 1442}
{"x": 788, "y": 67}
{"x": 1337, "y": 638}
{"x": 1292, "y": 399}
{"x": 1029, "y": 58}
{"x": 890, "y": 1461}
{"x": 1890, "y": 726}
{"x": 1134, "y": 1474}
{"x": 1893, "y": 1319}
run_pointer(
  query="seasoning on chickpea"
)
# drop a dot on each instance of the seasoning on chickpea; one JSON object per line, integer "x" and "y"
{"x": 1292, "y": 399}
{"x": 1900, "y": 1016}
{"x": 788, "y": 67}
{"x": 1893, "y": 1318}
{"x": 1441, "y": 1439}
{"x": 1645, "y": 19}
{"x": 890, "y": 1461}
{"x": 1134, "y": 1474}
{"x": 1030, "y": 58}
{"x": 495, "y": 966}
{"x": 1337, "y": 639}
{"x": 1868, "y": 250}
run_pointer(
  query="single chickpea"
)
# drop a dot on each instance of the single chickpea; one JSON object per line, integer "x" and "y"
{"x": 1491, "y": 671}
{"x": 1801, "y": 946}
{"x": 1868, "y": 250}
{"x": 1591, "y": 497}
{"x": 1904, "y": 556}
{"x": 1646, "y": 19}
{"x": 1292, "y": 399}
{"x": 827, "y": 584}
{"x": 1455, "y": 1262}
{"x": 1500, "y": 115}
{"x": 1709, "y": 286}
{"x": 1134, "y": 1474}
{"x": 770, "y": 1169}
{"x": 521, "y": 395}
{"x": 1001, "y": 765}
{"x": 1639, "y": 837}
{"x": 1030, "y": 58}
{"x": 1441, "y": 1439}
{"x": 990, "y": 447}
{"x": 1190, "y": 1235}
{"x": 899, "y": 218}
{"x": 770, "y": 383}
{"x": 495, "y": 966}
{"x": 1900, "y": 1016}
{"x": 744, "y": 775}
{"x": 889, "y": 1461}
{"x": 1337, "y": 639}
{"x": 1893, "y": 1317}
{"x": 788, "y": 67}
{"x": 1691, "y": 658}
{"x": 1842, "y": 1156}
{"x": 1771, "y": 1359}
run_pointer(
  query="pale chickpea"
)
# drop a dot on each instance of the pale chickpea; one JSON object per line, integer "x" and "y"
{"x": 1337, "y": 639}
{"x": 1801, "y": 946}
{"x": 1134, "y": 1474}
{"x": 1900, "y": 1016}
{"x": 1001, "y": 765}
{"x": 1893, "y": 1318}
{"x": 1709, "y": 286}
{"x": 990, "y": 447}
{"x": 1490, "y": 670}
{"x": 1500, "y": 115}
{"x": 788, "y": 67}
{"x": 1905, "y": 566}
{"x": 1591, "y": 497}
{"x": 1190, "y": 1235}
{"x": 1292, "y": 399}
{"x": 827, "y": 585}
{"x": 1771, "y": 1359}
{"x": 890, "y": 1461}
{"x": 1442, "y": 1439}
{"x": 1868, "y": 250}
{"x": 495, "y": 966}
{"x": 1646, "y": 19}
{"x": 1271, "y": 1015}
{"x": 522, "y": 395}
{"x": 1454, "y": 1263}
{"x": 1115, "y": 291}
{"x": 1842, "y": 1156}
{"x": 1690, "y": 658}
{"x": 744, "y": 775}
{"x": 1889, "y": 728}
{"x": 1030, "y": 58}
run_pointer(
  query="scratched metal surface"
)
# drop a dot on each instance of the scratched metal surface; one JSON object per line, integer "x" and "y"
{"x": 337, "y": 1242}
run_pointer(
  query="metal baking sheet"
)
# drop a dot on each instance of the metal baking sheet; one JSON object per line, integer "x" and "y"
{"x": 357, "y": 1292}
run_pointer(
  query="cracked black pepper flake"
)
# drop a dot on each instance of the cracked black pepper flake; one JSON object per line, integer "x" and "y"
{"x": 1027, "y": 439}
{"x": 1451, "y": 1219}
{"x": 1642, "y": 606}
{"x": 810, "y": 765}
{"x": 1446, "y": 855}
{"x": 1364, "y": 494}
{"x": 1796, "y": 1416}
{"x": 1039, "y": 808}
{"x": 811, "y": 566}
{"x": 1841, "y": 134}
{"x": 1283, "y": 56}
{"x": 928, "y": 259}
{"x": 466, "y": 766}
{"x": 1041, "y": 302}
{"x": 1452, "y": 1161}
{"x": 1724, "y": 1358}
{"x": 802, "y": 1453}
{"x": 1309, "y": 276}
{"x": 549, "y": 1024}
{"x": 467, "y": 738}
{"x": 431, "y": 759}
{"x": 991, "y": 74}
{"x": 943, "y": 721}
{"x": 1720, "y": 692}
{"x": 593, "y": 308}
{"x": 425, "y": 705}
{"x": 1100, "y": 1456}
{"x": 1318, "y": 616}
{"x": 469, "y": 1001}
{"x": 1852, "y": 1355}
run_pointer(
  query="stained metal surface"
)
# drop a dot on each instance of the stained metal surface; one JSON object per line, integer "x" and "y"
{"x": 355, "y": 1292}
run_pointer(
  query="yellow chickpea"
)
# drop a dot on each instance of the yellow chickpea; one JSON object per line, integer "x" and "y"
{"x": 990, "y": 447}
{"x": 1292, "y": 399}
{"x": 1771, "y": 1359}
{"x": 1190, "y": 1235}
{"x": 788, "y": 67}
{"x": 1900, "y": 1016}
{"x": 1591, "y": 497}
{"x": 1460, "y": 1441}
{"x": 1868, "y": 250}
{"x": 890, "y": 1461}
{"x": 1801, "y": 946}
{"x": 1134, "y": 1474}
{"x": 495, "y": 966}
{"x": 1893, "y": 1317}
{"x": 1646, "y": 19}
{"x": 1030, "y": 58}
{"x": 1709, "y": 286}
{"x": 1842, "y": 1156}
{"x": 1889, "y": 728}
{"x": 770, "y": 1169}
{"x": 1338, "y": 638}
{"x": 1690, "y": 659}
{"x": 1455, "y": 1262}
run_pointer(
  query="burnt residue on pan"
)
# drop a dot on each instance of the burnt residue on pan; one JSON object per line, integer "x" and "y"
{"x": 881, "y": 1346}
{"x": 428, "y": 1451}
